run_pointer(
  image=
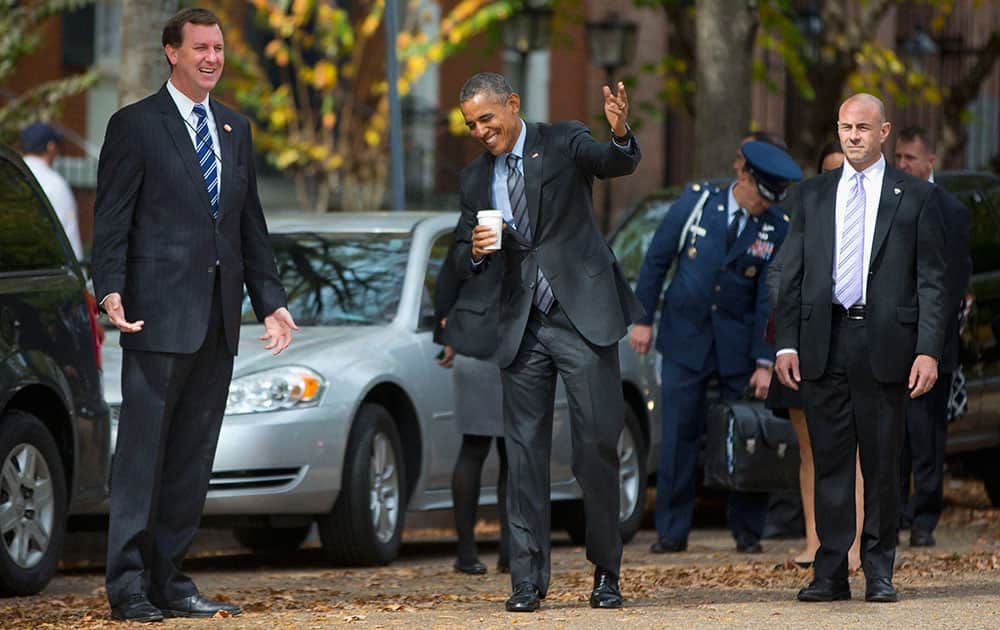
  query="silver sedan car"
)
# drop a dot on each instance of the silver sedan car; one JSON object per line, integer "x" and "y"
{"x": 353, "y": 425}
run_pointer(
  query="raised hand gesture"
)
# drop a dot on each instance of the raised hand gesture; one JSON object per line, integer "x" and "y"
{"x": 616, "y": 109}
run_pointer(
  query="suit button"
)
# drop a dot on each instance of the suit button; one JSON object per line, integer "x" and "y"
{"x": 715, "y": 307}
{"x": 717, "y": 288}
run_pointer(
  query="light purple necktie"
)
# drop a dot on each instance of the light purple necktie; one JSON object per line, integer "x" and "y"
{"x": 850, "y": 259}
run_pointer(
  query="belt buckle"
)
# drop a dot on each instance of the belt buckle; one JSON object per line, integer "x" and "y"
{"x": 856, "y": 312}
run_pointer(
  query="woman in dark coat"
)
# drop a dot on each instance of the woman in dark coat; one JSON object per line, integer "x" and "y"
{"x": 467, "y": 314}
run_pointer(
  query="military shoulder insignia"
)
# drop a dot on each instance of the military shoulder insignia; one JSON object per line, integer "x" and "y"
{"x": 767, "y": 227}
{"x": 786, "y": 217}
{"x": 696, "y": 187}
{"x": 897, "y": 190}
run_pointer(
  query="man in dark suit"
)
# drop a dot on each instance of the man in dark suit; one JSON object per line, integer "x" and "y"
{"x": 177, "y": 233}
{"x": 927, "y": 416}
{"x": 564, "y": 304}
{"x": 713, "y": 320}
{"x": 860, "y": 320}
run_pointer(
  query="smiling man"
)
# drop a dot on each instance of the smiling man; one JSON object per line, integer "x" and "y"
{"x": 860, "y": 325}
{"x": 564, "y": 304}
{"x": 177, "y": 234}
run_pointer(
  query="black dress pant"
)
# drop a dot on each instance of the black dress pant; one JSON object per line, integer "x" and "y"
{"x": 172, "y": 409}
{"x": 923, "y": 456}
{"x": 847, "y": 409}
{"x": 552, "y": 347}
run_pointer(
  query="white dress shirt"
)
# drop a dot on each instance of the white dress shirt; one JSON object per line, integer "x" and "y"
{"x": 61, "y": 197}
{"x": 186, "y": 108}
{"x": 874, "y": 175}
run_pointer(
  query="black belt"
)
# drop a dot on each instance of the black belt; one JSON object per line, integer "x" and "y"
{"x": 855, "y": 312}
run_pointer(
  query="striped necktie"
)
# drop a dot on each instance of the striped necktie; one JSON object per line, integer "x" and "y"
{"x": 850, "y": 255}
{"x": 206, "y": 158}
{"x": 543, "y": 297}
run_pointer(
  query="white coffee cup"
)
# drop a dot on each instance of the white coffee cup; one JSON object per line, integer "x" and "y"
{"x": 494, "y": 220}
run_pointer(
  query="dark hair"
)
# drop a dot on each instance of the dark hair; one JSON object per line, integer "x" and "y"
{"x": 485, "y": 83}
{"x": 828, "y": 149}
{"x": 173, "y": 30}
{"x": 767, "y": 136}
{"x": 914, "y": 132}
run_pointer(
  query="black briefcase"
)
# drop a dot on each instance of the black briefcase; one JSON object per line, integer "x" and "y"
{"x": 747, "y": 448}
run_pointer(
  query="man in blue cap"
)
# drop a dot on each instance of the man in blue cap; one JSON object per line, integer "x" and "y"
{"x": 712, "y": 324}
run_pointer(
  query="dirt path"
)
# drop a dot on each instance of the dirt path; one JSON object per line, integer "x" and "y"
{"x": 954, "y": 585}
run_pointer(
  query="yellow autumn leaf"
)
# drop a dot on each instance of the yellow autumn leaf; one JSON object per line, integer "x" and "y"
{"x": 369, "y": 25}
{"x": 334, "y": 162}
{"x": 329, "y": 120}
{"x": 456, "y": 122}
{"x": 286, "y": 158}
{"x": 279, "y": 118}
{"x": 324, "y": 75}
{"x": 436, "y": 52}
{"x": 372, "y": 138}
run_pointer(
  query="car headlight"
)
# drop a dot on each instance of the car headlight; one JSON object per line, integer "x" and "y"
{"x": 274, "y": 389}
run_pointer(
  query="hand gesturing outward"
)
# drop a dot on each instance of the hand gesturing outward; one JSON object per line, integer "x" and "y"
{"x": 616, "y": 109}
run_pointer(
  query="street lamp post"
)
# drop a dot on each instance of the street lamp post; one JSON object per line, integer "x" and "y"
{"x": 611, "y": 44}
{"x": 526, "y": 31}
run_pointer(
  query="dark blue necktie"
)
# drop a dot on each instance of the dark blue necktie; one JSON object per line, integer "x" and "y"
{"x": 734, "y": 229}
{"x": 206, "y": 158}
{"x": 543, "y": 298}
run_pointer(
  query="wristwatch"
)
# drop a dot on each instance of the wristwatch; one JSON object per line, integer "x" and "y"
{"x": 622, "y": 139}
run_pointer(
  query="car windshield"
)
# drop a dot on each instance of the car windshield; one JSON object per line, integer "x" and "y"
{"x": 633, "y": 238}
{"x": 338, "y": 278}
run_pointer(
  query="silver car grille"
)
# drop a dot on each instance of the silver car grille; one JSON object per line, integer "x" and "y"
{"x": 255, "y": 479}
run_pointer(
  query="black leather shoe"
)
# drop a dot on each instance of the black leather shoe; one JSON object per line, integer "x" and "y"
{"x": 668, "y": 545}
{"x": 525, "y": 598}
{"x": 474, "y": 568}
{"x": 880, "y": 590}
{"x": 606, "y": 593}
{"x": 921, "y": 538}
{"x": 825, "y": 590}
{"x": 748, "y": 543}
{"x": 136, "y": 608}
{"x": 198, "y": 605}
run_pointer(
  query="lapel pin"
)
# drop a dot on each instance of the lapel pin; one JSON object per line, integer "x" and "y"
{"x": 534, "y": 155}
{"x": 227, "y": 128}
{"x": 721, "y": 207}
{"x": 897, "y": 190}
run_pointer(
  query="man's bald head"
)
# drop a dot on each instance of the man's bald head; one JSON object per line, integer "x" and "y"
{"x": 862, "y": 128}
{"x": 866, "y": 100}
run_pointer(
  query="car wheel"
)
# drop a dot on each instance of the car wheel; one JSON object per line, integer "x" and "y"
{"x": 32, "y": 504}
{"x": 632, "y": 481}
{"x": 632, "y": 477}
{"x": 271, "y": 539}
{"x": 366, "y": 523}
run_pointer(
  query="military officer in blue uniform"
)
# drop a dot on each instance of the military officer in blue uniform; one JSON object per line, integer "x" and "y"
{"x": 712, "y": 324}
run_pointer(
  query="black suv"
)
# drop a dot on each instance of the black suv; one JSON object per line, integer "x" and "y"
{"x": 54, "y": 425}
{"x": 974, "y": 438}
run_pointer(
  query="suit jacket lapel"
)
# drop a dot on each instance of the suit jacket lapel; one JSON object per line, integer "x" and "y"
{"x": 532, "y": 161}
{"x": 892, "y": 194}
{"x": 826, "y": 213}
{"x": 227, "y": 151}
{"x": 177, "y": 130}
